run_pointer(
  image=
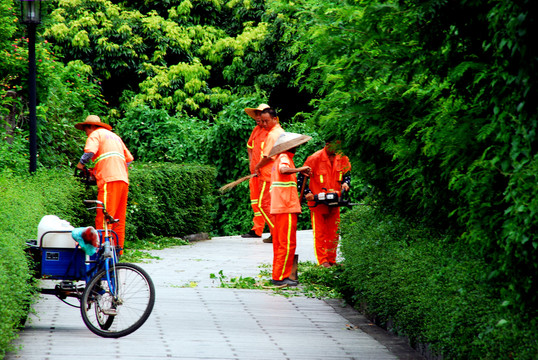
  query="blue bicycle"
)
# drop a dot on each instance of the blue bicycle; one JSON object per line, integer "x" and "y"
{"x": 115, "y": 298}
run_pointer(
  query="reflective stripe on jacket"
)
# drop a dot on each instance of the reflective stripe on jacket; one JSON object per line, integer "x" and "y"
{"x": 110, "y": 156}
{"x": 284, "y": 197}
{"x": 326, "y": 176}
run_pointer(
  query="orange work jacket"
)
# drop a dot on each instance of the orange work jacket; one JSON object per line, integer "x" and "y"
{"x": 267, "y": 146}
{"x": 110, "y": 156}
{"x": 254, "y": 143}
{"x": 326, "y": 176}
{"x": 284, "y": 198}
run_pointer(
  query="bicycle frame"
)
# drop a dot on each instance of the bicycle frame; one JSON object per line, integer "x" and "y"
{"x": 109, "y": 250}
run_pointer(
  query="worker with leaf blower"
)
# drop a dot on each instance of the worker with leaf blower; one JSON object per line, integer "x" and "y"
{"x": 108, "y": 157}
{"x": 285, "y": 205}
{"x": 254, "y": 149}
{"x": 328, "y": 183}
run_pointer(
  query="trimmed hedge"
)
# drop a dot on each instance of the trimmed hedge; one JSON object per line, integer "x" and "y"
{"x": 170, "y": 200}
{"x": 420, "y": 284}
{"x": 24, "y": 201}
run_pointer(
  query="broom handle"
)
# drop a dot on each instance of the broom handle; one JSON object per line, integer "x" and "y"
{"x": 302, "y": 187}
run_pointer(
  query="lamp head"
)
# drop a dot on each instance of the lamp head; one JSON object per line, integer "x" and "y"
{"x": 31, "y": 11}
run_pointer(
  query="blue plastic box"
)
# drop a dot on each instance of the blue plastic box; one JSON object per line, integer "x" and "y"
{"x": 64, "y": 264}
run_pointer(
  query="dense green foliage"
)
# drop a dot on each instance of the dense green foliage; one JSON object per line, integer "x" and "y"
{"x": 422, "y": 285}
{"x": 168, "y": 57}
{"x": 24, "y": 201}
{"x": 169, "y": 200}
{"x": 435, "y": 102}
{"x": 65, "y": 92}
{"x": 438, "y": 112}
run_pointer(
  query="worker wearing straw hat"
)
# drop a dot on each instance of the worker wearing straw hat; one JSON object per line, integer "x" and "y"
{"x": 254, "y": 148}
{"x": 285, "y": 205}
{"x": 109, "y": 157}
{"x": 270, "y": 121}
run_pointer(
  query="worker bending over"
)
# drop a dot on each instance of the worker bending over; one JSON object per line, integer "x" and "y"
{"x": 108, "y": 157}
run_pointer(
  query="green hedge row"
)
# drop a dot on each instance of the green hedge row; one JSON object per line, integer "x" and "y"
{"x": 170, "y": 200}
{"x": 164, "y": 199}
{"x": 24, "y": 201}
{"x": 422, "y": 285}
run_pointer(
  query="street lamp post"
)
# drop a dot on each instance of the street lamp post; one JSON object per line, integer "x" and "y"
{"x": 31, "y": 16}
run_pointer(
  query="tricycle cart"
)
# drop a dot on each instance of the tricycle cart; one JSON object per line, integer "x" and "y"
{"x": 115, "y": 298}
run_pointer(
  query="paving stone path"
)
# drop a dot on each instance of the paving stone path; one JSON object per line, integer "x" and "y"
{"x": 194, "y": 318}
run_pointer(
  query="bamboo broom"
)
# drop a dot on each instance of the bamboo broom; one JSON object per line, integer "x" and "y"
{"x": 233, "y": 184}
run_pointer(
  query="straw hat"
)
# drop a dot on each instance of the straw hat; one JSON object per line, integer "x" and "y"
{"x": 92, "y": 120}
{"x": 252, "y": 112}
{"x": 287, "y": 141}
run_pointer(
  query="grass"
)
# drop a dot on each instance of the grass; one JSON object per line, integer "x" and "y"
{"x": 137, "y": 251}
{"x": 314, "y": 281}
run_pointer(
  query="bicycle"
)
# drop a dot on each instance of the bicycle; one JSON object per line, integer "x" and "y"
{"x": 115, "y": 299}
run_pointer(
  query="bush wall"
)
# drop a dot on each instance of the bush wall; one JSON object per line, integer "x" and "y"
{"x": 170, "y": 200}
{"x": 24, "y": 200}
{"x": 422, "y": 285}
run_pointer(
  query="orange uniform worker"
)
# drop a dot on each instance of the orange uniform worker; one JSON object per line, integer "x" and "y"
{"x": 330, "y": 174}
{"x": 270, "y": 121}
{"x": 254, "y": 148}
{"x": 110, "y": 155}
{"x": 285, "y": 206}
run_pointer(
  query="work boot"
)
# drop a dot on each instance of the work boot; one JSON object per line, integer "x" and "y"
{"x": 286, "y": 281}
{"x": 268, "y": 240}
{"x": 251, "y": 234}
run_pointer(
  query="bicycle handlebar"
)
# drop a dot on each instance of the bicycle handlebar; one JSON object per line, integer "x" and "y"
{"x": 108, "y": 217}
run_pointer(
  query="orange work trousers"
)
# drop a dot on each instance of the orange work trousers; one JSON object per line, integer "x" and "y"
{"x": 325, "y": 222}
{"x": 258, "y": 220}
{"x": 114, "y": 196}
{"x": 284, "y": 244}
{"x": 264, "y": 203}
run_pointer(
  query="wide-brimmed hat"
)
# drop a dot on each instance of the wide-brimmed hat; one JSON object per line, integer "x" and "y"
{"x": 252, "y": 112}
{"x": 92, "y": 120}
{"x": 287, "y": 141}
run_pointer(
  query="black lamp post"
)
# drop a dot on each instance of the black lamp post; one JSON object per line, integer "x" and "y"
{"x": 31, "y": 16}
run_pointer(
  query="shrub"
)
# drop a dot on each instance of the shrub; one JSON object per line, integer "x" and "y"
{"x": 24, "y": 200}
{"x": 66, "y": 93}
{"x": 153, "y": 135}
{"x": 168, "y": 199}
{"x": 420, "y": 284}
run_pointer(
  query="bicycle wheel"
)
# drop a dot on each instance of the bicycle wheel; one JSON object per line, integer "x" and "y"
{"x": 114, "y": 317}
{"x": 106, "y": 301}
